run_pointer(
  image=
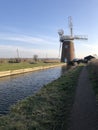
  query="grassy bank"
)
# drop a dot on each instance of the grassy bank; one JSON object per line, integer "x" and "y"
{"x": 47, "y": 110}
{"x": 22, "y": 65}
{"x": 93, "y": 74}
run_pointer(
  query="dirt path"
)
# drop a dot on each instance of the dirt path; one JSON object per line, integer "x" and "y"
{"x": 84, "y": 109}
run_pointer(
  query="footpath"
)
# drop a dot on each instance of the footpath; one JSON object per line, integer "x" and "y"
{"x": 84, "y": 112}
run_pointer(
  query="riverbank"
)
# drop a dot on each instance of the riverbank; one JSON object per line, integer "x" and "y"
{"x": 23, "y": 65}
{"x": 93, "y": 76}
{"x": 49, "y": 109}
{"x": 25, "y": 70}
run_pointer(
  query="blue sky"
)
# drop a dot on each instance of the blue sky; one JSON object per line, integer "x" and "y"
{"x": 32, "y": 26}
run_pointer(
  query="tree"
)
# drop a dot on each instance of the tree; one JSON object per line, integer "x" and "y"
{"x": 35, "y": 58}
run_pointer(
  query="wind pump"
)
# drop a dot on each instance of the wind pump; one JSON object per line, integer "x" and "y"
{"x": 67, "y": 44}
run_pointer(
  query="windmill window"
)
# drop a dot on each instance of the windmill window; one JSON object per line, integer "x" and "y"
{"x": 66, "y": 46}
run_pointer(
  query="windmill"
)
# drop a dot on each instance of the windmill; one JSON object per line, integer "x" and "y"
{"x": 67, "y": 44}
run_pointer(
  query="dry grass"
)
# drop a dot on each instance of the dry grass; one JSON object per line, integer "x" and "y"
{"x": 93, "y": 70}
{"x": 22, "y": 65}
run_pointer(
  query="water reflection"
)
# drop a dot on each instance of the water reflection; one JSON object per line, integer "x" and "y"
{"x": 15, "y": 88}
{"x": 64, "y": 69}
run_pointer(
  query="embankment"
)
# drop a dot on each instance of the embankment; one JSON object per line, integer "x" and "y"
{"x": 25, "y": 70}
{"x": 49, "y": 109}
{"x": 93, "y": 75}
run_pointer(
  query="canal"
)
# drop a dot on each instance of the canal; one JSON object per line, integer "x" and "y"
{"x": 15, "y": 88}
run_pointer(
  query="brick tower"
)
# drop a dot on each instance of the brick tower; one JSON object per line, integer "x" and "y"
{"x": 68, "y": 53}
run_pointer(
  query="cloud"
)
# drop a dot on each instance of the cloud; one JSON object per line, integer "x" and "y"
{"x": 92, "y": 47}
{"x": 28, "y": 39}
{"x": 41, "y": 45}
{"x": 85, "y": 49}
{"x": 27, "y": 45}
{"x": 9, "y": 51}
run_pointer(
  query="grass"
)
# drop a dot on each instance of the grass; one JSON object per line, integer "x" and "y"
{"x": 93, "y": 75}
{"x": 48, "y": 109}
{"x": 22, "y": 65}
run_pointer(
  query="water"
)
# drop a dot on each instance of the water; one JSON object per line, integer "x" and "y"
{"x": 15, "y": 88}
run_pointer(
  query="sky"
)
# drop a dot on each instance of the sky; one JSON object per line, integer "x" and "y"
{"x": 31, "y": 26}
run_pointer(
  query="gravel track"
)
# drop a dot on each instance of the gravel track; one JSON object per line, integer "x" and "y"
{"x": 84, "y": 112}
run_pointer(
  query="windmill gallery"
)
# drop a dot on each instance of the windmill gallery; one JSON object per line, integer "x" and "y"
{"x": 68, "y": 52}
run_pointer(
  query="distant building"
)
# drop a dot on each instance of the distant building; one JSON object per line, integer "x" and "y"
{"x": 88, "y": 58}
